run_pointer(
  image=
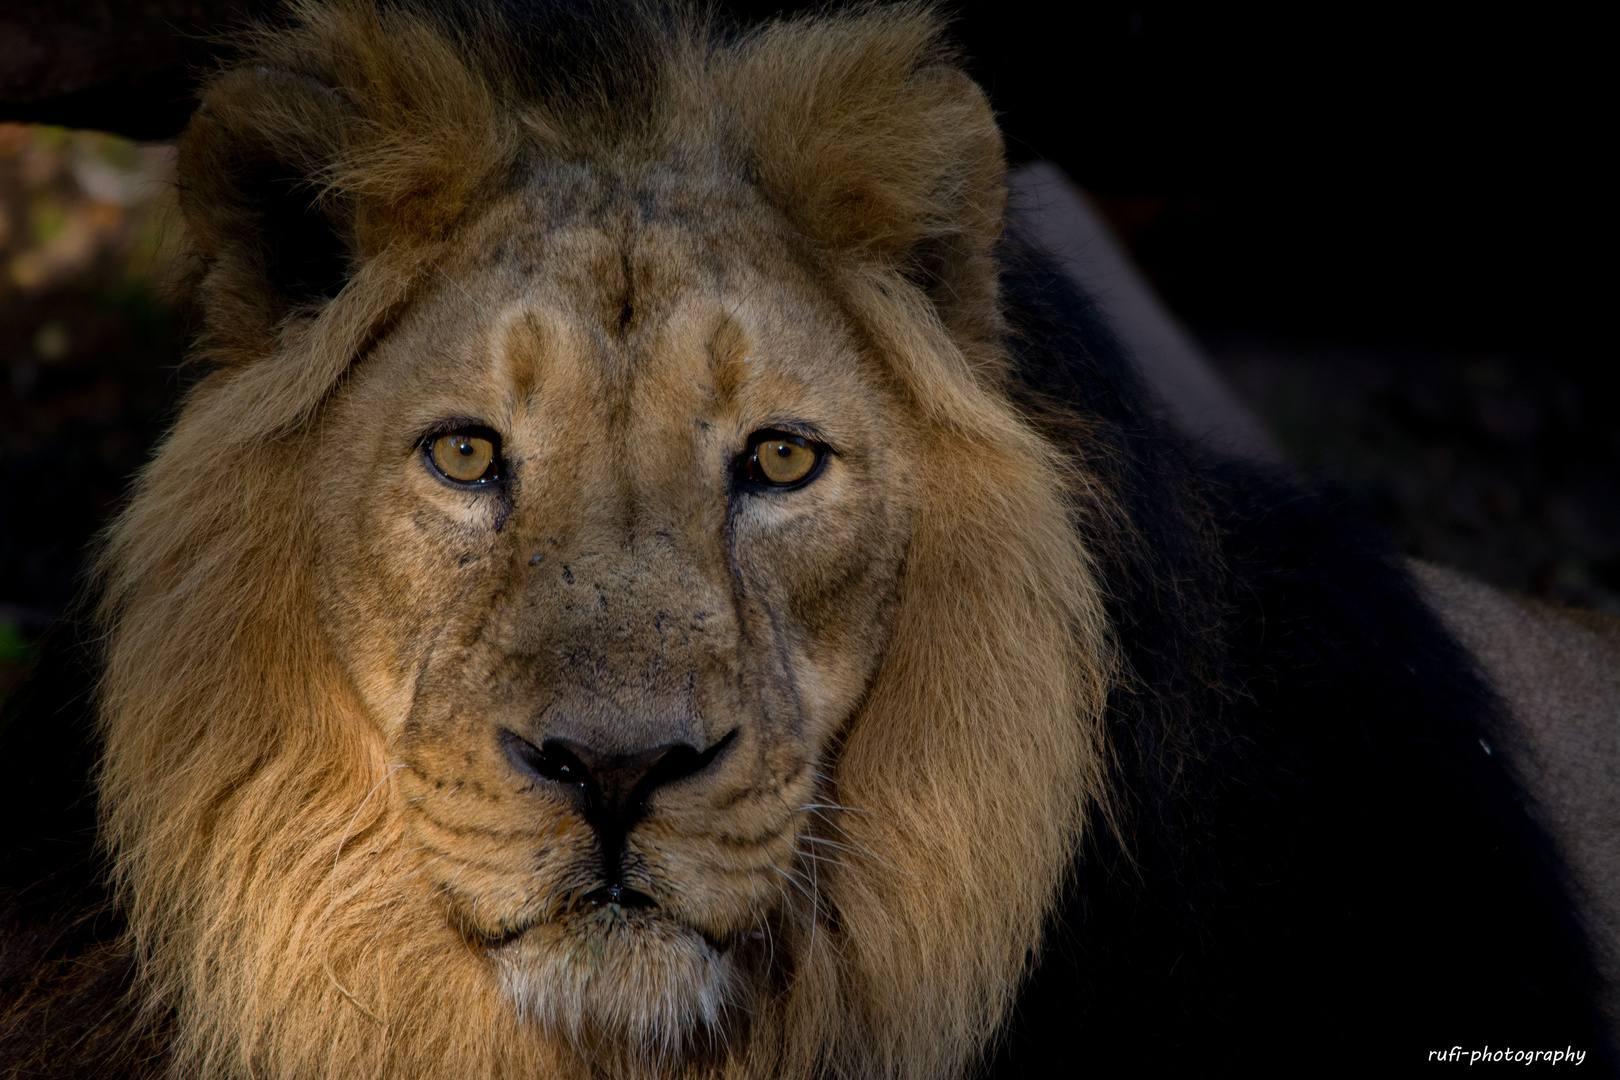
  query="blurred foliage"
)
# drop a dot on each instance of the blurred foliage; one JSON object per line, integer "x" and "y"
{"x": 15, "y": 648}
{"x": 79, "y": 208}
{"x": 93, "y": 323}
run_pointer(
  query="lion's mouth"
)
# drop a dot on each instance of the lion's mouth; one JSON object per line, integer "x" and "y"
{"x": 618, "y": 896}
{"x": 608, "y": 911}
{"x": 631, "y": 974}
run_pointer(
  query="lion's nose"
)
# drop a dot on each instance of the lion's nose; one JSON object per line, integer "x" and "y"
{"x": 615, "y": 785}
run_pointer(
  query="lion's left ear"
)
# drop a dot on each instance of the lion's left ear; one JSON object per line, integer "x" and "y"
{"x": 878, "y": 148}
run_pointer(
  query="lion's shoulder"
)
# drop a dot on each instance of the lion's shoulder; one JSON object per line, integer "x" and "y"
{"x": 1558, "y": 670}
{"x": 1297, "y": 731}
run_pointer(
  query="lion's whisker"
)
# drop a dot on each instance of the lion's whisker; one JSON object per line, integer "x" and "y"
{"x": 815, "y": 906}
{"x": 789, "y": 875}
{"x": 854, "y": 847}
{"x": 338, "y": 854}
{"x": 459, "y": 289}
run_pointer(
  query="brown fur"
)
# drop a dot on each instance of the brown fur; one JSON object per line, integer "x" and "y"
{"x": 329, "y": 869}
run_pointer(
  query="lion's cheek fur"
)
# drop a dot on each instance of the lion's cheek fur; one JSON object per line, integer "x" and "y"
{"x": 264, "y": 865}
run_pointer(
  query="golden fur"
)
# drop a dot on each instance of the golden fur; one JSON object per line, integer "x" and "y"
{"x": 328, "y": 870}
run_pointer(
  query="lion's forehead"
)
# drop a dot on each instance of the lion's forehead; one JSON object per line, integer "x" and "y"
{"x": 592, "y": 245}
{"x": 647, "y": 330}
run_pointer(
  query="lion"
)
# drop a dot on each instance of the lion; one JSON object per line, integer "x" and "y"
{"x": 659, "y": 581}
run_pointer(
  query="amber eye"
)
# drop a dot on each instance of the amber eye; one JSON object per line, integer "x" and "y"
{"x": 465, "y": 457}
{"x": 780, "y": 459}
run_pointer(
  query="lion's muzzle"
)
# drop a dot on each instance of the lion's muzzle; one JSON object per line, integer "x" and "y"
{"x": 612, "y": 788}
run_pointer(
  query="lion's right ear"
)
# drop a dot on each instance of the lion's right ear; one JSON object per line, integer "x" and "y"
{"x": 354, "y": 131}
{"x": 255, "y": 168}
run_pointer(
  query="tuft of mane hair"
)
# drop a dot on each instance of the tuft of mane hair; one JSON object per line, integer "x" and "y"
{"x": 1167, "y": 767}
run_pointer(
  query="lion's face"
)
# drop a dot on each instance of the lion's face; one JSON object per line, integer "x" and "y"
{"x": 608, "y": 664}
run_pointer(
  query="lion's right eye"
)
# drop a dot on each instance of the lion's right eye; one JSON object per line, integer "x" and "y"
{"x": 465, "y": 457}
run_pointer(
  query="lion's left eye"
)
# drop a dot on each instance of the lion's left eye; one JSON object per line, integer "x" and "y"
{"x": 781, "y": 459}
{"x": 466, "y": 457}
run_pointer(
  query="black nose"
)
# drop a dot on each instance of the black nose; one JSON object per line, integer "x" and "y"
{"x": 615, "y": 785}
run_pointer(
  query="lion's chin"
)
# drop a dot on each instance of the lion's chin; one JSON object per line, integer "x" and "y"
{"x": 643, "y": 983}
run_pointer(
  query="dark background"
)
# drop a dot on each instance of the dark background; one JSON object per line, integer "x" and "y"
{"x": 1409, "y": 174}
{"x": 1383, "y": 222}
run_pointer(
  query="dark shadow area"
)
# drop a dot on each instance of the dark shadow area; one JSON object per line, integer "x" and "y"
{"x": 1494, "y": 462}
